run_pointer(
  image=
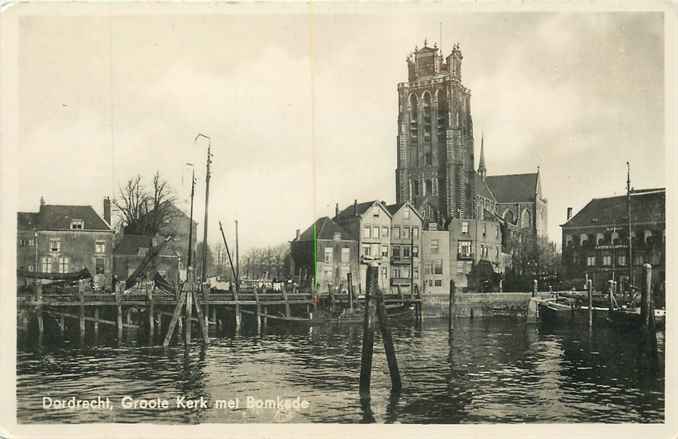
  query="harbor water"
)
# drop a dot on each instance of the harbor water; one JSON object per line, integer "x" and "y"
{"x": 493, "y": 371}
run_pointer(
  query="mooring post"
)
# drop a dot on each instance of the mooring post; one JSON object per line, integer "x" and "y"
{"x": 213, "y": 311}
{"x": 647, "y": 315}
{"x": 96, "y": 324}
{"x": 391, "y": 359}
{"x": 38, "y": 309}
{"x": 368, "y": 330}
{"x": 258, "y": 310}
{"x": 149, "y": 311}
{"x": 610, "y": 296}
{"x": 501, "y": 285}
{"x": 590, "y": 298}
{"x": 188, "y": 327}
{"x": 81, "y": 295}
{"x": 451, "y": 307}
{"x": 118, "y": 305}
{"x": 237, "y": 308}
{"x": 264, "y": 319}
{"x": 349, "y": 281}
{"x": 534, "y": 288}
{"x": 288, "y": 311}
{"x": 202, "y": 319}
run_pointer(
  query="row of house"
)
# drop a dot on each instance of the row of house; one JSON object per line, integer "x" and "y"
{"x": 66, "y": 239}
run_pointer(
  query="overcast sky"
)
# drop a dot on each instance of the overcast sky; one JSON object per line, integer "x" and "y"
{"x": 302, "y": 112}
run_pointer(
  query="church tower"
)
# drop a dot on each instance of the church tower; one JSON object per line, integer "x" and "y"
{"x": 435, "y": 168}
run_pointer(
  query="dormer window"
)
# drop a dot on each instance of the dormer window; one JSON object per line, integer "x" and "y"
{"x": 337, "y": 236}
{"x": 77, "y": 224}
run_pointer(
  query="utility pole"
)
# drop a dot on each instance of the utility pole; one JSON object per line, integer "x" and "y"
{"x": 237, "y": 259}
{"x": 628, "y": 213}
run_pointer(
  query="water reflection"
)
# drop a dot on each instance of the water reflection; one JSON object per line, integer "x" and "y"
{"x": 487, "y": 371}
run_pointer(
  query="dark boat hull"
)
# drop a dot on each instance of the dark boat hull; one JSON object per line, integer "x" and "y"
{"x": 631, "y": 320}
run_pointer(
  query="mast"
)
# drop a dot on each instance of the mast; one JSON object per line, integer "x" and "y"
{"x": 237, "y": 259}
{"x": 203, "y": 277}
{"x": 628, "y": 213}
{"x": 190, "y": 223}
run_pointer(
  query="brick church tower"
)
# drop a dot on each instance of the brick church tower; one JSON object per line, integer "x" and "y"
{"x": 435, "y": 168}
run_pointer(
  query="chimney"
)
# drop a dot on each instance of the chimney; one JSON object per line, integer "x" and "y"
{"x": 42, "y": 201}
{"x": 355, "y": 207}
{"x": 107, "y": 210}
{"x": 297, "y": 234}
{"x": 336, "y": 210}
{"x": 569, "y": 213}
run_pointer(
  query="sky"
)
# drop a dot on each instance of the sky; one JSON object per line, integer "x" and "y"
{"x": 302, "y": 108}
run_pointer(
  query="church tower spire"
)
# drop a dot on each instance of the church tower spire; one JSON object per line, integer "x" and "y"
{"x": 482, "y": 171}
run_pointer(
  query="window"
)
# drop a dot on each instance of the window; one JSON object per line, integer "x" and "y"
{"x": 464, "y": 227}
{"x": 384, "y": 232}
{"x": 405, "y": 272}
{"x": 621, "y": 260}
{"x": 25, "y": 242}
{"x": 366, "y": 250}
{"x": 415, "y": 232}
{"x": 54, "y": 245}
{"x": 415, "y": 251}
{"x": 435, "y": 246}
{"x": 416, "y": 273}
{"x": 162, "y": 273}
{"x": 599, "y": 238}
{"x": 497, "y": 236}
{"x": 406, "y": 212}
{"x": 395, "y": 272}
{"x": 100, "y": 247}
{"x": 638, "y": 259}
{"x": 328, "y": 255}
{"x": 375, "y": 232}
{"x": 142, "y": 251}
{"x": 406, "y": 252}
{"x": 46, "y": 264}
{"x": 384, "y": 271}
{"x": 384, "y": 251}
{"x": 99, "y": 266}
{"x": 429, "y": 186}
{"x": 366, "y": 232}
{"x": 460, "y": 267}
{"x": 64, "y": 263}
{"x": 375, "y": 250}
{"x": 345, "y": 255}
{"x": 438, "y": 283}
{"x": 428, "y": 268}
{"x": 464, "y": 249}
{"x": 438, "y": 266}
{"x": 77, "y": 224}
{"x": 406, "y": 232}
{"x": 607, "y": 260}
{"x": 396, "y": 232}
{"x": 590, "y": 261}
{"x": 337, "y": 236}
{"x": 395, "y": 251}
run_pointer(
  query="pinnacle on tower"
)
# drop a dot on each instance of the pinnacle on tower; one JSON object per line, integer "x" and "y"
{"x": 482, "y": 171}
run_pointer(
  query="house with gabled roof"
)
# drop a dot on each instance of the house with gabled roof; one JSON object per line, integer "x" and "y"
{"x": 323, "y": 256}
{"x": 65, "y": 239}
{"x": 369, "y": 223}
{"x": 407, "y": 226}
{"x": 131, "y": 250}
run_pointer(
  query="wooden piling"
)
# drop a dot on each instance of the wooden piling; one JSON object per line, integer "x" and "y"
{"x": 590, "y": 302}
{"x": 534, "y": 287}
{"x": 96, "y": 324}
{"x": 38, "y": 313}
{"x": 349, "y": 281}
{"x": 451, "y": 307}
{"x": 368, "y": 330}
{"x": 202, "y": 320}
{"x": 213, "y": 310}
{"x": 175, "y": 318}
{"x": 610, "y": 294}
{"x": 391, "y": 359}
{"x": 258, "y": 310}
{"x": 649, "y": 336}
{"x": 288, "y": 310}
{"x": 265, "y": 318}
{"x": 237, "y": 310}
{"x": 188, "y": 328}
{"x": 149, "y": 312}
{"x": 118, "y": 305}
{"x": 81, "y": 296}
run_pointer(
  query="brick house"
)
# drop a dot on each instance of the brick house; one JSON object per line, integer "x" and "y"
{"x": 405, "y": 242}
{"x": 66, "y": 239}
{"x": 369, "y": 223}
{"x": 595, "y": 240}
{"x": 324, "y": 253}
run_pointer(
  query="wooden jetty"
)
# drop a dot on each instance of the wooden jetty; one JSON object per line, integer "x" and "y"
{"x": 153, "y": 309}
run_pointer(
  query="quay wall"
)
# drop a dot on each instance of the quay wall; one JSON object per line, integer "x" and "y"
{"x": 471, "y": 305}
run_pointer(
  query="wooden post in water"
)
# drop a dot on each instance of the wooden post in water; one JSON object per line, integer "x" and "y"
{"x": 189, "y": 307}
{"x": 258, "y": 311}
{"x": 96, "y": 324}
{"x": 38, "y": 312}
{"x": 349, "y": 281}
{"x": 175, "y": 318}
{"x": 81, "y": 296}
{"x": 610, "y": 296}
{"x": 451, "y": 307}
{"x": 368, "y": 330}
{"x": 288, "y": 311}
{"x": 264, "y": 319}
{"x": 202, "y": 319}
{"x": 149, "y": 312}
{"x": 237, "y": 310}
{"x": 118, "y": 305}
{"x": 213, "y": 311}
{"x": 391, "y": 359}
{"x": 534, "y": 288}
{"x": 590, "y": 300}
{"x": 647, "y": 314}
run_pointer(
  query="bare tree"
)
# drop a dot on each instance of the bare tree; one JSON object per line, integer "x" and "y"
{"x": 141, "y": 211}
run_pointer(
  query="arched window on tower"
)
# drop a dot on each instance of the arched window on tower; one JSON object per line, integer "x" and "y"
{"x": 442, "y": 116}
{"x": 525, "y": 219}
{"x": 508, "y": 216}
{"x": 414, "y": 115}
{"x": 427, "y": 109}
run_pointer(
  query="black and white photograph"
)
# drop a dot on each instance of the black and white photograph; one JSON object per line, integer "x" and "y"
{"x": 340, "y": 213}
